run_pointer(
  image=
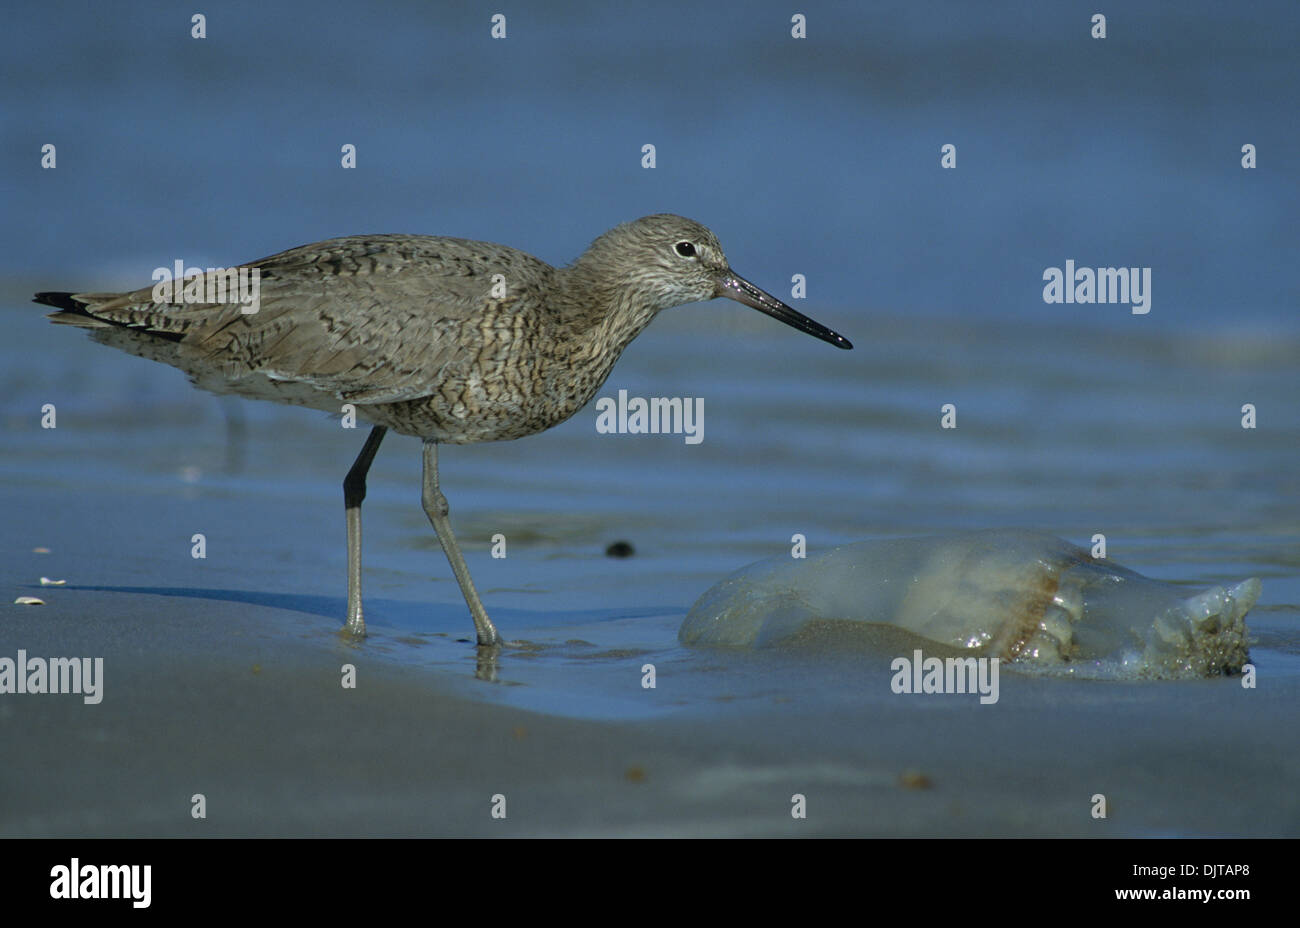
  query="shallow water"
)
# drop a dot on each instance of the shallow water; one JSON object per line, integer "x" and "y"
{"x": 850, "y": 452}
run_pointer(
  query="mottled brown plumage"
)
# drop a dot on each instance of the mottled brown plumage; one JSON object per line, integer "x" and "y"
{"x": 450, "y": 340}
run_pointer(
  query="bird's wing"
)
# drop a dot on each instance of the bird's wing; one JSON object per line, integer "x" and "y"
{"x": 371, "y": 319}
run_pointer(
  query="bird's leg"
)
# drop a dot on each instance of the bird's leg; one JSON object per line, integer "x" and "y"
{"x": 435, "y": 507}
{"x": 354, "y": 491}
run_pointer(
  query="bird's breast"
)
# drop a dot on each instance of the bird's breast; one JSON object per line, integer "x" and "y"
{"x": 511, "y": 388}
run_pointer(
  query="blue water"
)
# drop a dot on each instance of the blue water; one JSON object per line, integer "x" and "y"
{"x": 816, "y": 156}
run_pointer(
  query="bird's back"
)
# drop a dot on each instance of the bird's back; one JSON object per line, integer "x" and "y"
{"x": 365, "y": 319}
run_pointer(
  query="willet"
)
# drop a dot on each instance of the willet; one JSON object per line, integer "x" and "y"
{"x": 449, "y": 340}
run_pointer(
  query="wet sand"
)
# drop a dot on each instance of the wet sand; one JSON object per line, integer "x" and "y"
{"x": 235, "y": 693}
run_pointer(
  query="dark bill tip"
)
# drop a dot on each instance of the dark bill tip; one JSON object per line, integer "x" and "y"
{"x": 734, "y": 287}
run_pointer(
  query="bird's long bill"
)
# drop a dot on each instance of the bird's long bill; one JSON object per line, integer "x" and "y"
{"x": 735, "y": 287}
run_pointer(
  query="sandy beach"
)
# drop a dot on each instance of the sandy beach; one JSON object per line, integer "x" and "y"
{"x": 229, "y": 686}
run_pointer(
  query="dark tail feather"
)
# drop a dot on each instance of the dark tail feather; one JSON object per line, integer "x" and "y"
{"x": 73, "y": 311}
{"x": 59, "y": 300}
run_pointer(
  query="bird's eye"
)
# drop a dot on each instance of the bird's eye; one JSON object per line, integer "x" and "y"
{"x": 685, "y": 249}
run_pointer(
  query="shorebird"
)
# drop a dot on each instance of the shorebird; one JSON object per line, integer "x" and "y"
{"x": 449, "y": 340}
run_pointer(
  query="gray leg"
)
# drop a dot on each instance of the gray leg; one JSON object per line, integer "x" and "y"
{"x": 435, "y": 507}
{"x": 354, "y": 491}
